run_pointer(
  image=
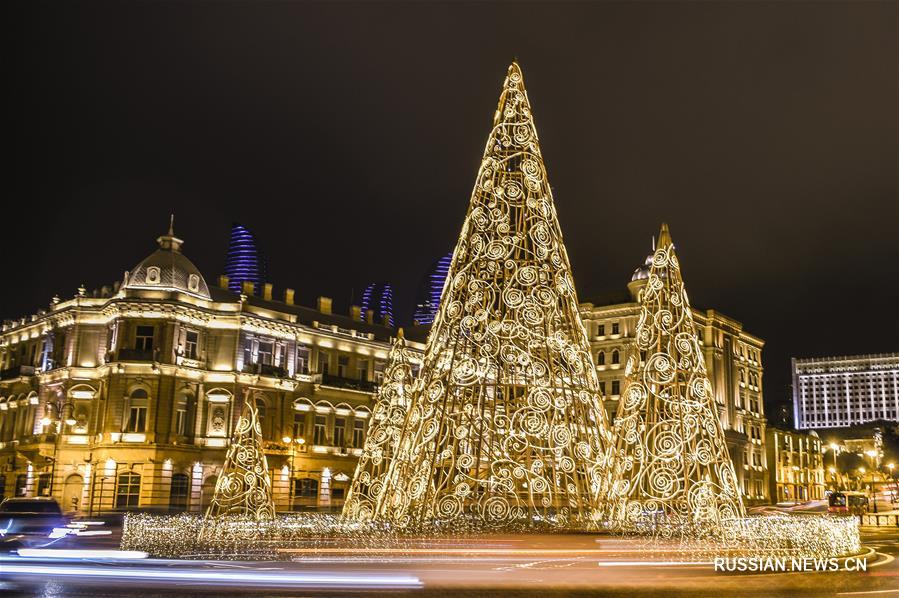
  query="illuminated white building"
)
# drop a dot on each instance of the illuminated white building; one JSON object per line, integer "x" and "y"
{"x": 837, "y": 392}
{"x": 126, "y": 398}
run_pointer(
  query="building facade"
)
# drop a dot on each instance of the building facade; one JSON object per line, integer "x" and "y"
{"x": 837, "y": 392}
{"x": 126, "y": 398}
{"x": 796, "y": 464}
{"x": 733, "y": 360}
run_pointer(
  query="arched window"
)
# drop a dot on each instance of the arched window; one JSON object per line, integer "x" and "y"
{"x": 127, "y": 493}
{"x": 601, "y": 358}
{"x": 179, "y": 492}
{"x": 616, "y": 357}
{"x": 136, "y": 420}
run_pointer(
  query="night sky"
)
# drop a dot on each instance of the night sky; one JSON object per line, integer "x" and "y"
{"x": 348, "y": 136}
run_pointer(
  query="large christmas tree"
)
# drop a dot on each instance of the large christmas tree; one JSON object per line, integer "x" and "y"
{"x": 506, "y": 421}
{"x": 673, "y": 472}
{"x": 244, "y": 487}
{"x": 370, "y": 481}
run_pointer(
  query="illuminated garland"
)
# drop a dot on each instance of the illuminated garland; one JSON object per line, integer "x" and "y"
{"x": 370, "y": 480}
{"x": 506, "y": 421}
{"x": 244, "y": 488}
{"x": 672, "y": 468}
{"x": 233, "y": 537}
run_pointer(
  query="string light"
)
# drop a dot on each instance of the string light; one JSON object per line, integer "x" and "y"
{"x": 505, "y": 421}
{"x": 370, "y": 479}
{"x": 244, "y": 488}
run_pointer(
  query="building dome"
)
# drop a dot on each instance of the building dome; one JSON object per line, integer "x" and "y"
{"x": 167, "y": 269}
{"x": 642, "y": 273}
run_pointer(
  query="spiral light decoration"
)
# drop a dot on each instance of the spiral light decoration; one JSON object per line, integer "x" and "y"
{"x": 673, "y": 474}
{"x": 505, "y": 422}
{"x": 244, "y": 487}
{"x": 388, "y": 416}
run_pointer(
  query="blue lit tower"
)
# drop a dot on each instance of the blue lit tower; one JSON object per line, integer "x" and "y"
{"x": 245, "y": 262}
{"x": 428, "y": 300}
{"x": 378, "y": 297}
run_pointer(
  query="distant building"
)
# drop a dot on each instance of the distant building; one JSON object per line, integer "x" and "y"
{"x": 427, "y": 301}
{"x": 733, "y": 360}
{"x": 836, "y": 392}
{"x": 796, "y": 465}
{"x": 377, "y": 300}
{"x": 126, "y": 398}
{"x": 245, "y": 263}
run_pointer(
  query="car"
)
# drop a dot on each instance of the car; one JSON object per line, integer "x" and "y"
{"x": 29, "y": 522}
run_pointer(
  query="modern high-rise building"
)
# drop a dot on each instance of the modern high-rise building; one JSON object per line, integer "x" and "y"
{"x": 245, "y": 263}
{"x": 836, "y": 392}
{"x": 378, "y": 298}
{"x": 428, "y": 300}
{"x": 733, "y": 359}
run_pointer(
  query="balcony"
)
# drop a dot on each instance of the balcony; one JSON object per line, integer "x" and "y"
{"x": 348, "y": 383}
{"x": 135, "y": 355}
{"x": 17, "y": 371}
{"x": 264, "y": 369}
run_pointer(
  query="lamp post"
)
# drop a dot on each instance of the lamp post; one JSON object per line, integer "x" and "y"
{"x": 890, "y": 466}
{"x": 292, "y": 442}
{"x": 833, "y": 477}
{"x": 872, "y": 454}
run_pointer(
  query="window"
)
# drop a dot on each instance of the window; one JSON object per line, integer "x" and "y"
{"x": 379, "y": 370}
{"x": 616, "y": 387}
{"x": 339, "y": 431}
{"x": 616, "y": 358}
{"x": 323, "y": 359}
{"x": 137, "y": 418}
{"x": 615, "y": 328}
{"x": 266, "y": 353}
{"x": 306, "y": 489}
{"x": 343, "y": 364}
{"x": 43, "y": 484}
{"x": 127, "y": 493}
{"x": 318, "y": 432}
{"x": 137, "y": 411}
{"x": 144, "y": 338}
{"x": 191, "y": 342}
{"x": 21, "y": 484}
{"x": 181, "y": 420}
{"x": 358, "y": 433}
{"x": 179, "y": 493}
{"x": 602, "y": 387}
{"x": 601, "y": 330}
{"x": 299, "y": 425}
{"x": 601, "y": 358}
{"x": 193, "y": 283}
{"x": 362, "y": 369}
{"x": 302, "y": 359}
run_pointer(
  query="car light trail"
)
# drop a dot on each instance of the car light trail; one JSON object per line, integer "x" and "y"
{"x": 63, "y": 553}
{"x": 218, "y": 577}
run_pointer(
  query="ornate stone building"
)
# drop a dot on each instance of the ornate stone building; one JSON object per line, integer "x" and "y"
{"x": 126, "y": 397}
{"x": 733, "y": 359}
{"x": 796, "y": 462}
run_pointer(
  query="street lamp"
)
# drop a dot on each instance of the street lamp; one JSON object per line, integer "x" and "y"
{"x": 292, "y": 442}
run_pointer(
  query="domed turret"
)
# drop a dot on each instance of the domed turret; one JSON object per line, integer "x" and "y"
{"x": 167, "y": 269}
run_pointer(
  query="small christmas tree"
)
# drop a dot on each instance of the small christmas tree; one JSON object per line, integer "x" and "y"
{"x": 673, "y": 472}
{"x": 370, "y": 480}
{"x": 245, "y": 487}
{"x": 506, "y": 422}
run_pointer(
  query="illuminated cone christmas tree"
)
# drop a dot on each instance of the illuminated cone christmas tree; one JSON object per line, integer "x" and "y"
{"x": 506, "y": 421}
{"x": 383, "y": 436}
{"x": 673, "y": 471}
{"x": 245, "y": 487}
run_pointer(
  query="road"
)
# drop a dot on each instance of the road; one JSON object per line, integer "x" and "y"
{"x": 524, "y": 565}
